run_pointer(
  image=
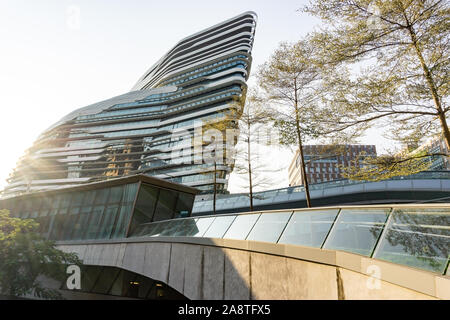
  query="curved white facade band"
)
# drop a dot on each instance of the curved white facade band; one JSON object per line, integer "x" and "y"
{"x": 135, "y": 133}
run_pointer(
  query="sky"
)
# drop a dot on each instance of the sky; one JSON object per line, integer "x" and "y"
{"x": 58, "y": 56}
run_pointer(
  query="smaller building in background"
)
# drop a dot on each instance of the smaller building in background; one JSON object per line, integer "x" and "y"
{"x": 323, "y": 162}
{"x": 437, "y": 146}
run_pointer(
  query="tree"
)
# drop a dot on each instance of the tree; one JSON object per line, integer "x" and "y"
{"x": 290, "y": 80}
{"x": 253, "y": 118}
{"x": 383, "y": 167}
{"x": 25, "y": 255}
{"x": 215, "y": 142}
{"x": 401, "y": 48}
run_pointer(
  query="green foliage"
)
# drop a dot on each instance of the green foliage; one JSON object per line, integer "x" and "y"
{"x": 25, "y": 255}
{"x": 291, "y": 81}
{"x": 386, "y": 166}
{"x": 386, "y": 63}
{"x": 288, "y": 132}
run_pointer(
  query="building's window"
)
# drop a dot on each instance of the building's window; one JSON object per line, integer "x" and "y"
{"x": 36, "y": 203}
{"x": 94, "y": 222}
{"x": 102, "y": 196}
{"x": 81, "y": 225}
{"x": 184, "y": 205}
{"x": 89, "y": 277}
{"x": 105, "y": 280}
{"x": 109, "y": 218}
{"x": 145, "y": 205}
{"x": 166, "y": 205}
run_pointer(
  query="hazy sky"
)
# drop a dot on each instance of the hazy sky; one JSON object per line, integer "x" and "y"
{"x": 57, "y": 56}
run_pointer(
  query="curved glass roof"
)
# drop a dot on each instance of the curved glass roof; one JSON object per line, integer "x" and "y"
{"x": 415, "y": 236}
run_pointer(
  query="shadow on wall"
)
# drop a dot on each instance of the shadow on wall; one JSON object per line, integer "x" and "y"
{"x": 110, "y": 283}
{"x": 195, "y": 271}
{"x": 207, "y": 272}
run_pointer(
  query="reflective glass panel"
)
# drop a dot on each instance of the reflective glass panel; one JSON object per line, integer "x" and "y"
{"x": 122, "y": 221}
{"x": 145, "y": 206}
{"x": 89, "y": 277}
{"x": 145, "y": 230}
{"x": 184, "y": 205}
{"x": 94, "y": 222}
{"x": 418, "y": 238}
{"x": 77, "y": 199}
{"x": 35, "y": 207}
{"x": 65, "y": 203}
{"x": 25, "y": 211}
{"x": 56, "y": 200}
{"x": 153, "y": 229}
{"x": 269, "y": 226}
{"x": 219, "y": 227}
{"x": 200, "y": 226}
{"x": 166, "y": 205}
{"x": 101, "y": 196}
{"x": 187, "y": 228}
{"x": 241, "y": 226}
{"x": 129, "y": 193}
{"x": 357, "y": 230}
{"x": 118, "y": 285}
{"x": 81, "y": 224}
{"x": 105, "y": 280}
{"x": 89, "y": 198}
{"x": 309, "y": 228}
{"x": 139, "y": 231}
{"x": 57, "y": 227}
{"x": 46, "y": 206}
{"x": 70, "y": 220}
{"x": 116, "y": 195}
{"x": 108, "y": 221}
{"x": 170, "y": 228}
{"x": 144, "y": 285}
{"x": 44, "y": 224}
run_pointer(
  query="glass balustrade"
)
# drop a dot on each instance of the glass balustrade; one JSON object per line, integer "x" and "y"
{"x": 416, "y": 236}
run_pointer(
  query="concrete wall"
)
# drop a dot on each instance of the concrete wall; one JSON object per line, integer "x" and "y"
{"x": 219, "y": 272}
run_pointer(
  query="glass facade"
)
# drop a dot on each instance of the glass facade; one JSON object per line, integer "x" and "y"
{"x": 156, "y": 204}
{"x": 106, "y": 212}
{"x": 415, "y": 236}
{"x": 138, "y": 132}
{"x": 81, "y": 215}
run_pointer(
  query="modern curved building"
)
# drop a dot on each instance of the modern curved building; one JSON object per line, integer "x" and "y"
{"x": 199, "y": 79}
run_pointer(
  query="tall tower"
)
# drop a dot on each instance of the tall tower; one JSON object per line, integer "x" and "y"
{"x": 198, "y": 80}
